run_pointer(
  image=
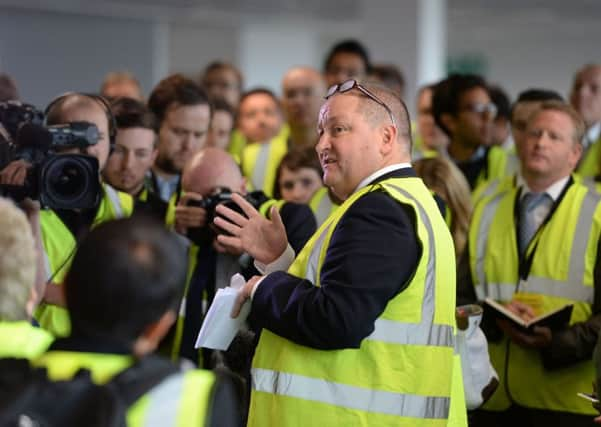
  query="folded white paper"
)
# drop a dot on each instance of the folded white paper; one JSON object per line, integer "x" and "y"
{"x": 218, "y": 328}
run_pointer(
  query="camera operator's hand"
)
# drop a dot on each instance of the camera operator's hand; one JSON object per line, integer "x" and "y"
{"x": 189, "y": 216}
{"x": 14, "y": 173}
{"x": 263, "y": 239}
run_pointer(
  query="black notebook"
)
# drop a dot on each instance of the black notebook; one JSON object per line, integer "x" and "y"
{"x": 555, "y": 319}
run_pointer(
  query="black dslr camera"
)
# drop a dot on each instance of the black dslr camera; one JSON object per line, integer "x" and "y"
{"x": 220, "y": 196}
{"x": 58, "y": 181}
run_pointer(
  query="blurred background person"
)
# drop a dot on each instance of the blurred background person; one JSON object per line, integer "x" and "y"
{"x": 261, "y": 122}
{"x": 118, "y": 84}
{"x": 8, "y": 88}
{"x": 430, "y": 140}
{"x": 222, "y": 124}
{"x": 135, "y": 152}
{"x": 348, "y": 59}
{"x": 183, "y": 111}
{"x": 501, "y": 128}
{"x": 20, "y": 272}
{"x": 585, "y": 97}
{"x": 223, "y": 80}
{"x": 443, "y": 178}
{"x": 303, "y": 89}
{"x": 390, "y": 76}
{"x": 298, "y": 176}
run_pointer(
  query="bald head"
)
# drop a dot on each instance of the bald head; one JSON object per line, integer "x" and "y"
{"x": 210, "y": 168}
{"x": 303, "y": 89}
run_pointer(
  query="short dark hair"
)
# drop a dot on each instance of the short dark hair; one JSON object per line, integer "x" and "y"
{"x": 297, "y": 158}
{"x": 501, "y": 100}
{"x": 125, "y": 275}
{"x": 220, "y": 104}
{"x": 131, "y": 113}
{"x": 448, "y": 92}
{"x": 175, "y": 89}
{"x": 349, "y": 46}
{"x": 536, "y": 95}
{"x": 220, "y": 65}
{"x": 260, "y": 91}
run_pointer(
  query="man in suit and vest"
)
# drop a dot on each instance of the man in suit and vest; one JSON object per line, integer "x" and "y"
{"x": 351, "y": 332}
{"x": 533, "y": 246}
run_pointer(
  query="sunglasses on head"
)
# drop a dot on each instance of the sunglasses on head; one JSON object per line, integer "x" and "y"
{"x": 353, "y": 84}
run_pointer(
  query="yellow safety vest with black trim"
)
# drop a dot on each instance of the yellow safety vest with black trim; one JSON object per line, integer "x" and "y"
{"x": 59, "y": 248}
{"x": 261, "y": 160}
{"x": 21, "y": 340}
{"x": 589, "y": 165}
{"x": 264, "y": 210}
{"x": 561, "y": 273}
{"x": 402, "y": 373}
{"x": 322, "y": 206}
{"x": 181, "y": 399}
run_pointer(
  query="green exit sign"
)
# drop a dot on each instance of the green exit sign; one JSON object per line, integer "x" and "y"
{"x": 468, "y": 63}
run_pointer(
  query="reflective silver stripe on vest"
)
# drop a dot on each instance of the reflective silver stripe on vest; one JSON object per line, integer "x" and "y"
{"x": 323, "y": 209}
{"x": 513, "y": 164}
{"x": 540, "y": 285}
{"x": 428, "y": 332}
{"x": 490, "y": 189}
{"x": 394, "y": 332}
{"x": 572, "y": 288}
{"x": 348, "y": 396}
{"x": 164, "y": 401}
{"x": 313, "y": 261}
{"x": 488, "y": 214}
{"x": 581, "y": 237}
{"x": 260, "y": 167}
{"x": 47, "y": 268}
{"x": 496, "y": 291}
{"x": 113, "y": 196}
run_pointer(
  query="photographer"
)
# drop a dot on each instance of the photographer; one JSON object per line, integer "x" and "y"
{"x": 63, "y": 228}
{"x": 212, "y": 264}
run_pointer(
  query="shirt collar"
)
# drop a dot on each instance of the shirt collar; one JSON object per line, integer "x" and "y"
{"x": 380, "y": 173}
{"x": 554, "y": 190}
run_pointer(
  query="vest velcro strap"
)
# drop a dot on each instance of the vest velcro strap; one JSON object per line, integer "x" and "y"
{"x": 164, "y": 401}
{"x": 424, "y": 333}
{"x": 350, "y": 397}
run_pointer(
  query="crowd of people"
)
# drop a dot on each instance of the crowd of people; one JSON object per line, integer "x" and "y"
{"x": 358, "y": 231}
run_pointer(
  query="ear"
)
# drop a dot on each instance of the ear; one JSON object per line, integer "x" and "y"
{"x": 153, "y": 334}
{"x": 448, "y": 121}
{"x": 577, "y": 153}
{"x": 389, "y": 138}
{"x": 154, "y": 154}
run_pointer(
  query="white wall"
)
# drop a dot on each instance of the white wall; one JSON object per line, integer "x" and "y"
{"x": 527, "y": 47}
{"x": 50, "y": 53}
{"x": 56, "y": 50}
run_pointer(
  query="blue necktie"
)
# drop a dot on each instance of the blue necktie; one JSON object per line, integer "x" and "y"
{"x": 528, "y": 225}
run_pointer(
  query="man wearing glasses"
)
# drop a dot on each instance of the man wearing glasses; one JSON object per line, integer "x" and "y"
{"x": 463, "y": 109}
{"x": 359, "y": 330}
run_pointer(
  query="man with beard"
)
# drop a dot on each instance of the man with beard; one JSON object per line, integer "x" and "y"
{"x": 184, "y": 114}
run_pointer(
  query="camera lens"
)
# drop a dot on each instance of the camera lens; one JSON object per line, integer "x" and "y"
{"x": 70, "y": 181}
{"x": 67, "y": 179}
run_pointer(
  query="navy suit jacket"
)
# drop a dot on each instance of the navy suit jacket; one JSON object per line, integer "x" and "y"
{"x": 371, "y": 257}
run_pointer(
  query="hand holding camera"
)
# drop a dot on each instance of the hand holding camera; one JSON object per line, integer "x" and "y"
{"x": 189, "y": 213}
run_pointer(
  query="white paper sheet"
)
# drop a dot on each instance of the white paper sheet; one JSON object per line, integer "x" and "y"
{"x": 218, "y": 328}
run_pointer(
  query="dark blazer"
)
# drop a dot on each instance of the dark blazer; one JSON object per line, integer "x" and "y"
{"x": 371, "y": 257}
